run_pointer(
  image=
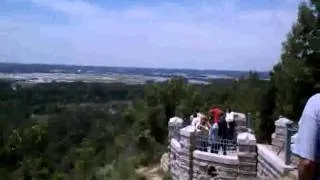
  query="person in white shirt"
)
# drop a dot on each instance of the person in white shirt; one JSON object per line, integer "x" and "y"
{"x": 196, "y": 118}
{"x": 229, "y": 116}
{"x": 307, "y": 143}
{"x": 194, "y": 115}
{"x": 195, "y": 121}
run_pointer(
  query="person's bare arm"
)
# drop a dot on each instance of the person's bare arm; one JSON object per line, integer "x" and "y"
{"x": 306, "y": 169}
{"x": 306, "y": 146}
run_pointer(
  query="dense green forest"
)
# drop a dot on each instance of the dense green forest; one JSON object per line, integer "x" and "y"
{"x": 100, "y": 131}
{"x": 104, "y": 131}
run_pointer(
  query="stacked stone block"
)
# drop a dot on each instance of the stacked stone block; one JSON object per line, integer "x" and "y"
{"x": 214, "y": 166}
{"x": 187, "y": 141}
{"x": 240, "y": 120}
{"x": 186, "y": 163}
{"x": 278, "y": 137}
{"x": 294, "y": 158}
{"x": 247, "y": 155}
{"x": 174, "y": 161}
{"x": 270, "y": 165}
{"x": 174, "y": 126}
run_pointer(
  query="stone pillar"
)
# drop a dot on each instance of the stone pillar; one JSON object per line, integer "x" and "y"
{"x": 247, "y": 155}
{"x": 187, "y": 141}
{"x": 174, "y": 126}
{"x": 240, "y": 120}
{"x": 174, "y": 159}
{"x": 294, "y": 158}
{"x": 278, "y": 137}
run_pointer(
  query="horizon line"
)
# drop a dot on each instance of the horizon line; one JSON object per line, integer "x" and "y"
{"x": 105, "y": 66}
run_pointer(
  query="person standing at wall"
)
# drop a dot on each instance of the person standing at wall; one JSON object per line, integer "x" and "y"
{"x": 230, "y": 122}
{"x": 307, "y": 145}
{"x": 215, "y": 114}
{"x": 195, "y": 120}
{"x": 214, "y": 138}
{"x": 230, "y": 118}
{"x": 195, "y": 114}
{"x": 223, "y": 133}
{"x": 203, "y": 128}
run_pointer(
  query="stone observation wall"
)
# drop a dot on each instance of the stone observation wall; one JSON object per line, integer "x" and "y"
{"x": 206, "y": 165}
{"x": 271, "y": 158}
{"x": 240, "y": 165}
{"x": 186, "y": 163}
{"x": 270, "y": 166}
{"x": 247, "y": 155}
{"x": 251, "y": 160}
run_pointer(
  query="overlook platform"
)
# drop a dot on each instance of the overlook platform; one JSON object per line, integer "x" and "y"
{"x": 246, "y": 160}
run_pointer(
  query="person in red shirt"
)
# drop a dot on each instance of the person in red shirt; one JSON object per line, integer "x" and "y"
{"x": 215, "y": 113}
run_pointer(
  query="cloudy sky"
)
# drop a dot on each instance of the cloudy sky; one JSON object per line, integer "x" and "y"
{"x": 200, "y": 34}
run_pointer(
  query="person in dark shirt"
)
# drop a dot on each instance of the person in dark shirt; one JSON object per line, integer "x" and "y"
{"x": 223, "y": 127}
{"x": 223, "y": 133}
{"x": 231, "y": 123}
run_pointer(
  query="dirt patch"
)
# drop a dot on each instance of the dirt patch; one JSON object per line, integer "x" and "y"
{"x": 151, "y": 172}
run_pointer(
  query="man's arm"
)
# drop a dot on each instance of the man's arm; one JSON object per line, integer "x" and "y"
{"x": 306, "y": 168}
{"x": 306, "y": 144}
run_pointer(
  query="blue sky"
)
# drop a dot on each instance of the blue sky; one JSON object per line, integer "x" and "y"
{"x": 200, "y": 34}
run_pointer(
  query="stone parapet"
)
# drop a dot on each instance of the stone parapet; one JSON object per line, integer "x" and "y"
{"x": 209, "y": 165}
{"x": 246, "y": 139}
{"x": 187, "y": 138}
{"x": 247, "y": 155}
{"x": 174, "y": 159}
{"x": 249, "y": 162}
{"x": 174, "y": 125}
{"x": 270, "y": 165}
{"x": 278, "y": 137}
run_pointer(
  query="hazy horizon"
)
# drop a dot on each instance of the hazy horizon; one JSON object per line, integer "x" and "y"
{"x": 105, "y": 66}
{"x": 202, "y": 35}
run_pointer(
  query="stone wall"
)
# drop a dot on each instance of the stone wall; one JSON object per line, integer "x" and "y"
{"x": 271, "y": 163}
{"x": 174, "y": 159}
{"x": 240, "y": 120}
{"x": 247, "y": 155}
{"x": 278, "y": 137}
{"x": 208, "y": 165}
{"x": 181, "y": 154}
{"x": 270, "y": 166}
{"x": 187, "y": 141}
{"x": 251, "y": 161}
{"x": 174, "y": 125}
{"x": 186, "y": 163}
{"x": 242, "y": 165}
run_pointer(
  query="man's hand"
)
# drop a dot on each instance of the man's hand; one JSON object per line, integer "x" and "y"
{"x": 306, "y": 169}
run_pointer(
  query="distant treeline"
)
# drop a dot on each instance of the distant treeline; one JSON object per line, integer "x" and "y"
{"x": 49, "y": 68}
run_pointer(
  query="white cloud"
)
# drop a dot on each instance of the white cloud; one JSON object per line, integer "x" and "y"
{"x": 200, "y": 34}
